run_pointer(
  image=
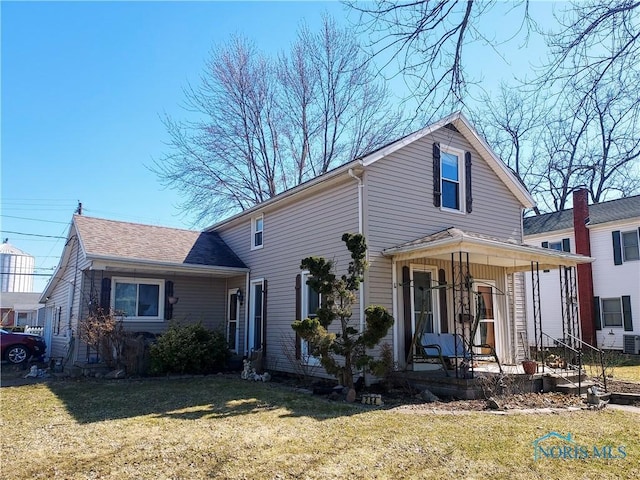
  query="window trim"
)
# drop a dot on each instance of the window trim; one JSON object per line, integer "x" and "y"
{"x": 305, "y": 357}
{"x": 255, "y": 231}
{"x": 138, "y": 281}
{"x": 603, "y": 312}
{"x": 462, "y": 183}
{"x": 623, "y": 246}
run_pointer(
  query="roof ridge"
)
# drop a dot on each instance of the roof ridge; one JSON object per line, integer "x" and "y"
{"x": 108, "y": 220}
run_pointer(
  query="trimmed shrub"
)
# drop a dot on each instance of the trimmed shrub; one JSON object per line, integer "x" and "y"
{"x": 189, "y": 349}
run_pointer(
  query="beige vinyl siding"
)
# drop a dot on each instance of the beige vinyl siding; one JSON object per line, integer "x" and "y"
{"x": 311, "y": 226}
{"x": 201, "y": 300}
{"x": 478, "y": 272}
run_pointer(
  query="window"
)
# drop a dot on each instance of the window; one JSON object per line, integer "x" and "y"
{"x": 555, "y": 246}
{"x": 139, "y": 299}
{"x": 451, "y": 184}
{"x": 611, "y": 312}
{"x": 257, "y": 225}
{"x": 310, "y": 304}
{"x": 630, "y": 246}
{"x": 256, "y": 316}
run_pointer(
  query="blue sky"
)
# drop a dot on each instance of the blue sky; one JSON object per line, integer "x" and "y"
{"x": 83, "y": 87}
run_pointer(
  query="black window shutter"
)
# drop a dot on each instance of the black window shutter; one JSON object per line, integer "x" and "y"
{"x": 545, "y": 244}
{"x": 298, "y": 313}
{"x": 617, "y": 248}
{"x": 442, "y": 292}
{"x": 168, "y": 307}
{"x": 437, "y": 194}
{"x": 406, "y": 304}
{"x": 467, "y": 178}
{"x": 105, "y": 294}
{"x": 566, "y": 245}
{"x": 597, "y": 318}
{"x": 626, "y": 313}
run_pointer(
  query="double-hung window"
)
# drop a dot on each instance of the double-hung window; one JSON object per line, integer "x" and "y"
{"x": 451, "y": 176}
{"x": 630, "y": 250}
{"x": 611, "y": 312}
{"x": 138, "y": 299}
{"x": 257, "y": 226}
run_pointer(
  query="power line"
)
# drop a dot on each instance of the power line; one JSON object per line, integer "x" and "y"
{"x": 32, "y": 234}
{"x": 34, "y": 219}
{"x": 27, "y": 274}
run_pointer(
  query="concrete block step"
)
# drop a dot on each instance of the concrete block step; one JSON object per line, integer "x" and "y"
{"x": 572, "y": 388}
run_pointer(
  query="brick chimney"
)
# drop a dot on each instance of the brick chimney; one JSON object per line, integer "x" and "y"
{"x": 585, "y": 274}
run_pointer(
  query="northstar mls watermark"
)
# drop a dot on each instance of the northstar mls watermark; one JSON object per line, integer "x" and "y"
{"x": 556, "y": 446}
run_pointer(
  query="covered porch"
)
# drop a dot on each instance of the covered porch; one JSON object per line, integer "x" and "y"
{"x": 460, "y": 302}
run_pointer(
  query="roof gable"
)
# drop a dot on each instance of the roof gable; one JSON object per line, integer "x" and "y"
{"x": 459, "y": 123}
{"x": 603, "y": 212}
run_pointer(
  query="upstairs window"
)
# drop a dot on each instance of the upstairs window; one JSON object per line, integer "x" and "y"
{"x": 452, "y": 179}
{"x": 257, "y": 225}
{"x": 630, "y": 246}
{"x": 625, "y": 246}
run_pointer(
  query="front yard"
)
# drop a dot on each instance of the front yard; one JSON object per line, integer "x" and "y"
{"x": 216, "y": 427}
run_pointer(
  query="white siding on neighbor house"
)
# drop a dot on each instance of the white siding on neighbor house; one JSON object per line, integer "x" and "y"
{"x": 614, "y": 281}
{"x": 310, "y": 226}
{"x": 399, "y": 205}
{"x": 550, "y": 298}
{"x": 609, "y": 281}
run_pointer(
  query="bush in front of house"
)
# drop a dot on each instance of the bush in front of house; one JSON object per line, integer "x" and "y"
{"x": 189, "y": 349}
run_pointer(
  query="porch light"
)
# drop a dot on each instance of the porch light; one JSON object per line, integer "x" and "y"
{"x": 172, "y": 300}
{"x": 611, "y": 332}
{"x": 240, "y": 297}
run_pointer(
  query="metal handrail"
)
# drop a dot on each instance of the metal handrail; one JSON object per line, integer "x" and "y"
{"x": 577, "y": 352}
{"x": 600, "y": 354}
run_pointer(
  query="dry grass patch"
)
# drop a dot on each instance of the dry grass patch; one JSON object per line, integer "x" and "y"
{"x": 214, "y": 427}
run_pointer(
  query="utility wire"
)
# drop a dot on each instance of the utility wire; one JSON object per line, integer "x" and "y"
{"x": 32, "y": 234}
{"x": 34, "y": 219}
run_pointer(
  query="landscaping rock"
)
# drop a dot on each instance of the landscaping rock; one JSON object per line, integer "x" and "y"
{"x": 351, "y": 395}
{"x": 428, "y": 396}
{"x": 115, "y": 374}
{"x": 492, "y": 404}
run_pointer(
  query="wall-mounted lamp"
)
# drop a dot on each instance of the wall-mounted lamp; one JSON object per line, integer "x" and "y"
{"x": 611, "y": 332}
{"x": 173, "y": 300}
{"x": 240, "y": 297}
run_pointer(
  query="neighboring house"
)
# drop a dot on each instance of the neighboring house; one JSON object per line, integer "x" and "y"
{"x": 152, "y": 274}
{"x": 442, "y": 216}
{"x": 20, "y": 309}
{"x": 608, "y": 295}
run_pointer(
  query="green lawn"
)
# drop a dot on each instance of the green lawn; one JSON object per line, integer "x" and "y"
{"x": 215, "y": 427}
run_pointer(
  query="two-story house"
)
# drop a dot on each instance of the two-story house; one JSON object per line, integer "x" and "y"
{"x": 609, "y": 294}
{"x": 442, "y": 216}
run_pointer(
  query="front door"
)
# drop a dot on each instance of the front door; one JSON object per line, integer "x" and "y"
{"x": 486, "y": 334}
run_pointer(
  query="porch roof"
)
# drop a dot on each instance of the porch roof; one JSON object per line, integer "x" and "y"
{"x": 484, "y": 250}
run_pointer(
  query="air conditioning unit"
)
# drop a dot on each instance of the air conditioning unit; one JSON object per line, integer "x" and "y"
{"x": 631, "y": 344}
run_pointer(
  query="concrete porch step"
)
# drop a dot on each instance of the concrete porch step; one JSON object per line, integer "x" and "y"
{"x": 572, "y": 388}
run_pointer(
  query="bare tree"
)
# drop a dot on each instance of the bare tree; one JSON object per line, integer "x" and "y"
{"x": 427, "y": 39}
{"x": 263, "y": 125}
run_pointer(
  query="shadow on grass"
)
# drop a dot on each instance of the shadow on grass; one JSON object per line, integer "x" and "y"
{"x": 189, "y": 399}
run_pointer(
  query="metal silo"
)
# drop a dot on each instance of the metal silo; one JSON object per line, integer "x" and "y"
{"x": 16, "y": 269}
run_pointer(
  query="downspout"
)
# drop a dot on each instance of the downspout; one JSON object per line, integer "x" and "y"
{"x": 360, "y": 231}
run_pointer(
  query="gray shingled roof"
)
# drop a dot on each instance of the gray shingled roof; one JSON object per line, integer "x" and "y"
{"x": 133, "y": 241}
{"x": 619, "y": 209}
